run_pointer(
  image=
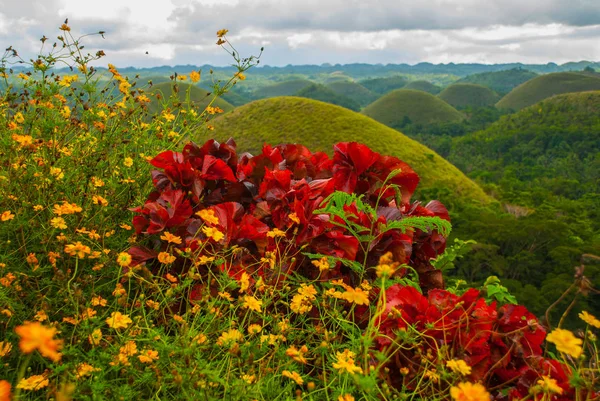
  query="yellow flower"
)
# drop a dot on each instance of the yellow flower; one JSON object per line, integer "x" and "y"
{"x": 469, "y": 392}
{"x": 194, "y": 76}
{"x": 276, "y": 233}
{"x": 356, "y": 295}
{"x": 58, "y": 222}
{"x": 346, "y": 397}
{"x": 549, "y": 385}
{"x": 22, "y": 76}
{"x": 244, "y": 282}
{"x": 459, "y": 366}
{"x": 128, "y": 162}
{"x": 208, "y": 215}
{"x": 77, "y": 249}
{"x": 213, "y": 233}
{"x": 222, "y": 32}
{"x": 129, "y": 349}
{"x": 566, "y": 342}
{"x": 95, "y": 337}
{"x": 19, "y": 118}
{"x": 166, "y": 258}
{"x": 97, "y": 182}
{"x": 384, "y": 270}
{"x": 66, "y": 208}
{"x": 297, "y": 354}
{"x": 148, "y": 356}
{"x": 64, "y": 27}
{"x": 99, "y": 200}
{"x": 294, "y": 376}
{"x": 7, "y": 215}
{"x": 37, "y": 336}
{"x": 230, "y": 337}
{"x": 589, "y": 319}
{"x": 182, "y": 77}
{"x": 5, "y": 348}
{"x": 322, "y": 264}
{"x": 118, "y": 321}
{"x": 170, "y": 238}
{"x": 294, "y": 217}
{"x": 252, "y": 303}
{"x": 35, "y": 382}
{"x": 239, "y": 76}
{"x": 38, "y": 208}
{"x": 254, "y": 328}
{"x": 85, "y": 369}
{"x": 40, "y": 316}
{"x": 124, "y": 259}
{"x": 345, "y": 362}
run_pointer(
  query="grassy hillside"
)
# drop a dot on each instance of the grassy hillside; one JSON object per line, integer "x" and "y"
{"x": 320, "y": 125}
{"x": 200, "y": 97}
{"x": 465, "y": 95}
{"x": 500, "y": 82}
{"x": 403, "y": 106}
{"x": 286, "y": 88}
{"x": 354, "y": 91}
{"x": 384, "y": 85}
{"x": 324, "y": 94}
{"x": 545, "y": 86}
{"x": 424, "y": 86}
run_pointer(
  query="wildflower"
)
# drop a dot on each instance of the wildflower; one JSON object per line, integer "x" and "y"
{"x": 19, "y": 118}
{"x": 384, "y": 270}
{"x": 97, "y": 182}
{"x": 549, "y": 385}
{"x": 252, "y": 303}
{"x": 88, "y": 313}
{"x": 200, "y": 339}
{"x": 7, "y": 215}
{"x": 22, "y": 76}
{"x": 66, "y": 208}
{"x": 38, "y": 208}
{"x": 208, "y": 215}
{"x": 239, "y": 76}
{"x": 213, "y": 110}
{"x": 98, "y": 301}
{"x": 294, "y": 376}
{"x": 346, "y": 397}
{"x": 40, "y": 316}
{"x": 166, "y": 258}
{"x": 244, "y": 282}
{"x": 322, "y": 264}
{"x": 459, "y": 366}
{"x": 469, "y": 392}
{"x": 356, "y": 295}
{"x": 85, "y": 369}
{"x": 254, "y": 328}
{"x": 35, "y": 382}
{"x": 58, "y": 222}
{"x": 294, "y": 217}
{"x": 171, "y": 278}
{"x": 4, "y": 390}
{"x": 65, "y": 112}
{"x": 118, "y": 321}
{"x": 77, "y": 249}
{"x": 148, "y": 356}
{"x": 170, "y": 238}
{"x": 99, "y": 200}
{"x": 128, "y": 162}
{"x": 124, "y": 259}
{"x": 65, "y": 27}
{"x": 95, "y": 337}
{"x": 152, "y": 304}
{"x": 31, "y": 259}
{"x": 345, "y": 362}
{"x": 222, "y": 32}
{"x": 302, "y": 301}
{"x": 34, "y": 336}
{"x": 194, "y": 76}
{"x": 225, "y": 295}
{"x": 566, "y": 342}
{"x": 213, "y": 233}
{"x": 249, "y": 378}
{"x": 297, "y": 354}
{"x": 589, "y": 319}
{"x": 5, "y": 348}
{"x": 229, "y": 337}
{"x": 129, "y": 349}
{"x": 276, "y": 233}
{"x": 125, "y": 226}
{"x": 203, "y": 260}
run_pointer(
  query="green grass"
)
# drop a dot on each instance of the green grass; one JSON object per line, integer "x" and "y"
{"x": 319, "y": 125}
{"x": 324, "y": 94}
{"x": 424, "y": 86}
{"x": 286, "y": 88}
{"x": 384, "y": 85}
{"x": 545, "y": 86}
{"x": 465, "y": 95}
{"x": 354, "y": 91}
{"x": 500, "y": 82}
{"x": 199, "y": 97}
{"x": 420, "y": 107}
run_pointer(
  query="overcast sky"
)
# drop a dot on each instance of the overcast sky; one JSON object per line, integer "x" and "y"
{"x": 314, "y": 31}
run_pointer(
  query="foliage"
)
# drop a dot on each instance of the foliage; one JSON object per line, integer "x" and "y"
{"x": 424, "y": 86}
{"x": 500, "y": 82}
{"x": 384, "y": 85}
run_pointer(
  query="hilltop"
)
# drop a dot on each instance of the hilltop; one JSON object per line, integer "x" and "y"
{"x": 424, "y": 86}
{"x": 403, "y": 106}
{"x": 319, "y": 125}
{"x": 285, "y": 88}
{"x": 468, "y": 95}
{"x": 324, "y": 94}
{"x": 545, "y": 86}
{"x": 384, "y": 85}
{"x": 354, "y": 91}
{"x": 198, "y": 96}
{"x": 500, "y": 82}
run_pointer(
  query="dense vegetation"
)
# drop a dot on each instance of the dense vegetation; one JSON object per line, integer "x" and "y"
{"x": 199, "y": 97}
{"x": 468, "y": 95}
{"x": 324, "y": 94}
{"x": 354, "y": 91}
{"x": 500, "y": 82}
{"x": 407, "y": 106}
{"x": 424, "y": 86}
{"x": 384, "y": 85}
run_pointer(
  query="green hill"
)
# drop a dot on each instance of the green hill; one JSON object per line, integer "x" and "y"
{"x": 198, "y": 96}
{"x": 324, "y": 94}
{"x": 500, "y": 82}
{"x": 545, "y": 86}
{"x": 424, "y": 86}
{"x": 384, "y": 85}
{"x": 285, "y": 88}
{"x": 354, "y": 91}
{"x": 465, "y": 95}
{"x": 403, "y": 106}
{"x": 337, "y": 77}
{"x": 319, "y": 125}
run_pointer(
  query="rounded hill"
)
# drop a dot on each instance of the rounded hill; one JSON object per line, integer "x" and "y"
{"x": 384, "y": 85}
{"x": 403, "y": 106}
{"x": 354, "y": 91}
{"x": 545, "y": 86}
{"x": 285, "y": 88}
{"x": 199, "y": 97}
{"x": 468, "y": 95}
{"x": 500, "y": 82}
{"x": 424, "y": 86}
{"x": 319, "y": 125}
{"x": 324, "y": 94}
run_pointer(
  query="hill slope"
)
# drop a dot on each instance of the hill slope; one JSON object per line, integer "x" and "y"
{"x": 465, "y": 95}
{"x": 199, "y": 97}
{"x": 419, "y": 107}
{"x": 500, "y": 82}
{"x": 354, "y": 91}
{"x": 324, "y": 94}
{"x": 384, "y": 85}
{"x": 319, "y": 125}
{"x": 424, "y": 86}
{"x": 285, "y": 88}
{"x": 546, "y": 86}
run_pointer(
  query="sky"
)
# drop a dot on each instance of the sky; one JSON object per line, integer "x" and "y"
{"x": 147, "y": 33}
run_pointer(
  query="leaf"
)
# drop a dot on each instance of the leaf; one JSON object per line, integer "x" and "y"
{"x": 423, "y": 223}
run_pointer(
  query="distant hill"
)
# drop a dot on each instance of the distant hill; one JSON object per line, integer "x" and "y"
{"x": 285, "y": 88}
{"x": 465, "y": 95}
{"x": 384, "y": 85}
{"x": 424, "y": 86}
{"x": 545, "y": 86}
{"x": 403, "y": 106}
{"x": 319, "y": 125}
{"x": 324, "y": 94}
{"x": 198, "y": 96}
{"x": 500, "y": 82}
{"x": 337, "y": 77}
{"x": 354, "y": 91}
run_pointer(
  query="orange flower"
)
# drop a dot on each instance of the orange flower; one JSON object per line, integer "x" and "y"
{"x": 170, "y": 238}
{"x": 222, "y": 32}
{"x": 34, "y": 336}
{"x": 77, "y": 249}
{"x": 124, "y": 259}
{"x": 166, "y": 258}
{"x": 208, "y": 215}
{"x": 148, "y": 356}
{"x": 469, "y": 392}
{"x": 35, "y": 382}
{"x": 7, "y": 215}
{"x": 118, "y": 321}
{"x": 4, "y": 390}
{"x": 194, "y": 76}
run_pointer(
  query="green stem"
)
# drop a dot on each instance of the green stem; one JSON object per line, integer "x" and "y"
{"x": 20, "y": 376}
